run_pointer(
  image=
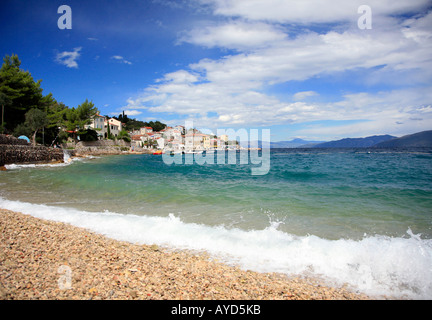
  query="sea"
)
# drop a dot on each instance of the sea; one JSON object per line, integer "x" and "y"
{"x": 360, "y": 218}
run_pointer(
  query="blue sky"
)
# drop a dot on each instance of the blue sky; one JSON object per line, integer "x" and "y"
{"x": 302, "y": 68}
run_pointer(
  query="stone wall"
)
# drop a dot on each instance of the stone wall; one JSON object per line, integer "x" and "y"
{"x": 12, "y": 150}
{"x": 6, "y": 139}
{"x": 101, "y": 147}
{"x": 103, "y": 143}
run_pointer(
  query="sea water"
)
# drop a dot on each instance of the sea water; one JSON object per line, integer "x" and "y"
{"x": 351, "y": 217}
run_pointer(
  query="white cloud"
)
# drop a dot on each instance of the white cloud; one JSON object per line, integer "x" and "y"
{"x": 132, "y": 112}
{"x": 396, "y": 112}
{"x": 180, "y": 76}
{"x": 313, "y": 54}
{"x": 235, "y": 35}
{"x": 311, "y": 11}
{"x": 234, "y": 88}
{"x": 304, "y": 94}
{"x": 68, "y": 58}
{"x": 121, "y": 59}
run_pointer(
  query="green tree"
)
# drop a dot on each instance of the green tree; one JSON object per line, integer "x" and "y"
{"x": 85, "y": 112}
{"x": 109, "y": 134}
{"x": 18, "y": 93}
{"x": 22, "y": 130}
{"x": 3, "y": 101}
{"x": 88, "y": 135}
{"x": 124, "y": 135}
{"x": 77, "y": 119}
{"x": 35, "y": 120}
{"x": 133, "y": 124}
{"x": 157, "y": 125}
{"x": 57, "y": 122}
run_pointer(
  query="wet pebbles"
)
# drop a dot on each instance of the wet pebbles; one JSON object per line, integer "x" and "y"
{"x": 48, "y": 260}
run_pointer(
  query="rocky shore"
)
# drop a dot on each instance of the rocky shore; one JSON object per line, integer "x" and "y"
{"x": 18, "y": 151}
{"x": 13, "y": 150}
{"x": 51, "y": 261}
{"x": 104, "y": 147}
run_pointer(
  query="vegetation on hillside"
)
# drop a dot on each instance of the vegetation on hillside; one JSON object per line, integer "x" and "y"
{"x": 133, "y": 124}
{"x": 25, "y": 110}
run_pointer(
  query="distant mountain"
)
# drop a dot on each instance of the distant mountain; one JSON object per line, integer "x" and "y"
{"x": 295, "y": 143}
{"x": 355, "y": 142}
{"x": 254, "y": 143}
{"x": 420, "y": 139}
{"x": 417, "y": 140}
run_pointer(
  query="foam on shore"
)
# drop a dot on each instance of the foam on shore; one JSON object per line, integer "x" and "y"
{"x": 67, "y": 161}
{"x": 375, "y": 265}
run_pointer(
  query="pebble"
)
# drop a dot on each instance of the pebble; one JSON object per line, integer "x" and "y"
{"x": 37, "y": 255}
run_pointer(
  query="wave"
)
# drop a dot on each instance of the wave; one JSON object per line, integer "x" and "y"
{"x": 67, "y": 161}
{"x": 399, "y": 267}
{"x": 23, "y": 166}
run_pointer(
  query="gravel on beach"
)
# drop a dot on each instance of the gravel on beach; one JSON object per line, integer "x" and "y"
{"x": 49, "y": 260}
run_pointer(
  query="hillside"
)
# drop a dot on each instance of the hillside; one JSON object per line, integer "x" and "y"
{"x": 355, "y": 142}
{"x": 417, "y": 140}
{"x": 295, "y": 143}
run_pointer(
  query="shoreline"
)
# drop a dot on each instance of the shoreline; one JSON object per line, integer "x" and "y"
{"x": 37, "y": 255}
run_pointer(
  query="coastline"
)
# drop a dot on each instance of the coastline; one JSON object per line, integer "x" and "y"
{"x": 36, "y": 255}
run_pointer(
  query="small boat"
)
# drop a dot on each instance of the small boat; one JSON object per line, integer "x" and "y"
{"x": 157, "y": 152}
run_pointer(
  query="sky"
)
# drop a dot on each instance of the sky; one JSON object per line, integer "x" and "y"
{"x": 312, "y": 69}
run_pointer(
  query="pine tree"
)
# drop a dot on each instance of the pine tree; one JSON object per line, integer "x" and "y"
{"x": 18, "y": 93}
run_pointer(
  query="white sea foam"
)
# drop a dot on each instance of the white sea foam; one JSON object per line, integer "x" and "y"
{"x": 375, "y": 265}
{"x": 67, "y": 161}
{"x": 23, "y": 166}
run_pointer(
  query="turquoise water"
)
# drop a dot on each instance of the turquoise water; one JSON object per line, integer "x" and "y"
{"x": 315, "y": 204}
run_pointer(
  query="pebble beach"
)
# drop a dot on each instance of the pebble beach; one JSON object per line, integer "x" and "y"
{"x": 46, "y": 260}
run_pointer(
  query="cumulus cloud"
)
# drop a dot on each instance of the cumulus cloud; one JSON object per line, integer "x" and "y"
{"x": 69, "y": 58}
{"x": 180, "y": 76}
{"x": 234, "y": 89}
{"x": 311, "y": 11}
{"x": 235, "y": 35}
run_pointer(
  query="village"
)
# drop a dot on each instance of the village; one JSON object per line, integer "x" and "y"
{"x": 177, "y": 139}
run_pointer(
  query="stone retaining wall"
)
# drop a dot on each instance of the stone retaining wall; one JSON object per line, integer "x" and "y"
{"x": 6, "y": 139}
{"x": 12, "y": 150}
{"x": 101, "y": 147}
{"x": 103, "y": 143}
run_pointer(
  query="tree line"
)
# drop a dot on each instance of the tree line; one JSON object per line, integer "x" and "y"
{"x": 133, "y": 124}
{"x": 26, "y": 111}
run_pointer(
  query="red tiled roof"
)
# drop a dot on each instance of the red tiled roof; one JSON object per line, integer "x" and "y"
{"x": 137, "y": 137}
